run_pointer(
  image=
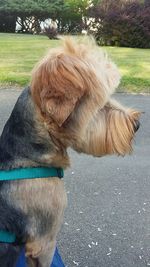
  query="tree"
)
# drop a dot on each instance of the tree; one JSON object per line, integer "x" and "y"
{"x": 127, "y": 24}
{"x": 72, "y": 17}
{"x": 7, "y": 23}
{"x": 44, "y": 8}
{"x": 30, "y": 11}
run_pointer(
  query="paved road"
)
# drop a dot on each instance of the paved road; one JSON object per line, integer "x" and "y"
{"x": 107, "y": 223}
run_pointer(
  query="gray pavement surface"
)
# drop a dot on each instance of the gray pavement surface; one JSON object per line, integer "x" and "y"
{"x": 107, "y": 222}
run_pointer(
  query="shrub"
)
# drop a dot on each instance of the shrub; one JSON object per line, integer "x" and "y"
{"x": 123, "y": 25}
{"x": 50, "y": 32}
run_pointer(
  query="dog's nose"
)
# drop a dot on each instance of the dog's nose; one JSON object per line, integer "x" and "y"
{"x": 136, "y": 125}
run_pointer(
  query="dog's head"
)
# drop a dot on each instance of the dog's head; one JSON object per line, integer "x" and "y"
{"x": 72, "y": 87}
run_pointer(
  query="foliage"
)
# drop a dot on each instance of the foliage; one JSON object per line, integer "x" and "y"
{"x": 7, "y": 23}
{"x": 127, "y": 24}
{"x": 44, "y": 8}
{"x": 71, "y": 19}
{"x": 51, "y": 32}
{"x": 29, "y": 13}
{"x": 70, "y": 14}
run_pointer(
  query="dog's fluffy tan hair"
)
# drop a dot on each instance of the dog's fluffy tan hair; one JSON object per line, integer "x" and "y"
{"x": 72, "y": 87}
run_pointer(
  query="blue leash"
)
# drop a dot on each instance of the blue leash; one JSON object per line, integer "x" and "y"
{"x": 57, "y": 261}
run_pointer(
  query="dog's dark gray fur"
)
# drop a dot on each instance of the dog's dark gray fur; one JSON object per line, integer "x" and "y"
{"x": 18, "y": 147}
{"x": 18, "y": 142}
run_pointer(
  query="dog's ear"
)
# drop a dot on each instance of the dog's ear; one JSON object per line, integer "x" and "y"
{"x": 60, "y": 103}
{"x": 58, "y": 83}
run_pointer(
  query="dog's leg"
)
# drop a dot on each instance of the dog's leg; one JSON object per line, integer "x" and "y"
{"x": 40, "y": 247}
{"x": 41, "y": 250}
{"x": 46, "y": 257}
{"x": 40, "y": 253}
{"x": 31, "y": 262}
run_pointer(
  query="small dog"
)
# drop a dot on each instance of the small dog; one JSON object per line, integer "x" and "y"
{"x": 68, "y": 104}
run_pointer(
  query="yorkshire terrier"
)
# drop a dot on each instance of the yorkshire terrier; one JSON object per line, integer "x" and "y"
{"x": 68, "y": 104}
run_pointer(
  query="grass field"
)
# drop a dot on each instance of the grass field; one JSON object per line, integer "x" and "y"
{"x": 19, "y": 53}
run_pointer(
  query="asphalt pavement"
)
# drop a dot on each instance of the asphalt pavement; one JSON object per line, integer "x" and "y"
{"x": 107, "y": 222}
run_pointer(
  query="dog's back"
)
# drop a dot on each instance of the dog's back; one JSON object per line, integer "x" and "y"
{"x": 15, "y": 149}
{"x": 11, "y": 219}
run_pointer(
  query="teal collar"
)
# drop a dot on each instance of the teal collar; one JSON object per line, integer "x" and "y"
{"x": 26, "y": 173}
{"x": 30, "y": 173}
{"x": 7, "y": 237}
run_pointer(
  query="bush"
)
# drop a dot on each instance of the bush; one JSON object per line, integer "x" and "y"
{"x": 51, "y": 32}
{"x": 125, "y": 25}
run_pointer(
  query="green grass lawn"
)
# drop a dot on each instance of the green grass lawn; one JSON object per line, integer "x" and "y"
{"x": 19, "y": 53}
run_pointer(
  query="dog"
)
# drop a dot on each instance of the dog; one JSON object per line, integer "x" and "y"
{"x": 68, "y": 104}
